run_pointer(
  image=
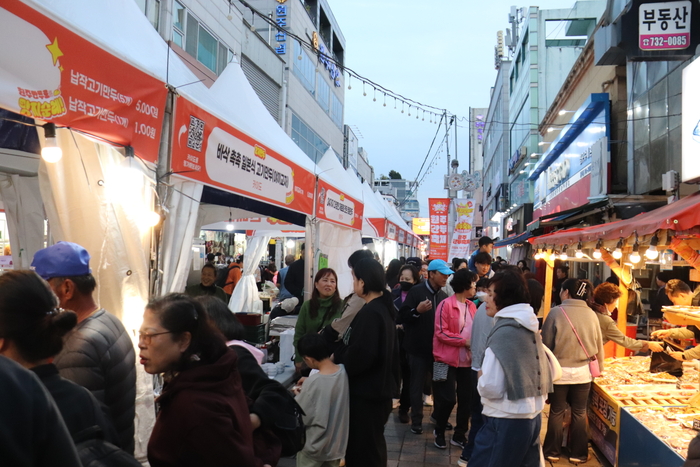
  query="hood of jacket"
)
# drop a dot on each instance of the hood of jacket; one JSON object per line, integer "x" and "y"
{"x": 521, "y": 313}
{"x": 218, "y": 377}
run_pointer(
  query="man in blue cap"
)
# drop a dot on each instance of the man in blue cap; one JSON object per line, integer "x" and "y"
{"x": 417, "y": 314}
{"x": 98, "y": 354}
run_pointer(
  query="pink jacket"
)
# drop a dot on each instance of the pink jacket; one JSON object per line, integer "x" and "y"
{"x": 448, "y": 340}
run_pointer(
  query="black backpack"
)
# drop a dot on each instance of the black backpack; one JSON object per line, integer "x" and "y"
{"x": 95, "y": 451}
{"x": 292, "y": 436}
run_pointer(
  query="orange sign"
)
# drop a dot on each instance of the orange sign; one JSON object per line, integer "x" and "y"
{"x": 335, "y": 206}
{"x": 50, "y": 73}
{"x": 211, "y": 151}
{"x": 439, "y": 210}
{"x": 421, "y": 225}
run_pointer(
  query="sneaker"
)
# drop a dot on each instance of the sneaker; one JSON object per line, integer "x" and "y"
{"x": 417, "y": 429}
{"x": 462, "y": 462}
{"x": 439, "y": 440}
{"x": 458, "y": 441}
{"x": 577, "y": 460}
{"x": 552, "y": 458}
{"x": 448, "y": 427}
{"x": 427, "y": 400}
{"x": 403, "y": 416}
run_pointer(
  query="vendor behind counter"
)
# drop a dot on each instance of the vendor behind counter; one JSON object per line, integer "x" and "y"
{"x": 680, "y": 295}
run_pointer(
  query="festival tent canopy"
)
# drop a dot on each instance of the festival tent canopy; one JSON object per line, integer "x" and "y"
{"x": 339, "y": 200}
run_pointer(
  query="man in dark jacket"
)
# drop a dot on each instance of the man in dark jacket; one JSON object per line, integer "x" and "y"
{"x": 294, "y": 280}
{"x": 417, "y": 314}
{"x": 98, "y": 353}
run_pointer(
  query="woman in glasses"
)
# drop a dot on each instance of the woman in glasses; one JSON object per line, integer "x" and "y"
{"x": 203, "y": 418}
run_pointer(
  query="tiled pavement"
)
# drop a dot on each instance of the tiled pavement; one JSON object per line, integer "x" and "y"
{"x": 405, "y": 449}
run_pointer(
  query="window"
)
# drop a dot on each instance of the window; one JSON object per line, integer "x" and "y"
{"x": 323, "y": 94}
{"x": 336, "y": 110}
{"x": 150, "y": 8}
{"x": 304, "y": 68}
{"x": 309, "y": 142}
{"x": 197, "y": 41}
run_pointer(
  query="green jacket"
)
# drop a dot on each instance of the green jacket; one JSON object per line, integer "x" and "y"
{"x": 308, "y": 325}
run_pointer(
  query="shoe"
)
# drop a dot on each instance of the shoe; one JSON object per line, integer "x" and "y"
{"x": 552, "y": 459}
{"x": 457, "y": 441}
{"x": 403, "y": 416}
{"x": 427, "y": 400}
{"x": 439, "y": 440}
{"x": 417, "y": 429}
{"x": 448, "y": 427}
{"x": 462, "y": 462}
{"x": 577, "y": 460}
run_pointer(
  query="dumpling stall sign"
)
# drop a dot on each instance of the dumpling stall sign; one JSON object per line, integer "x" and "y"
{"x": 211, "y": 151}
{"x": 337, "y": 207}
{"x": 50, "y": 73}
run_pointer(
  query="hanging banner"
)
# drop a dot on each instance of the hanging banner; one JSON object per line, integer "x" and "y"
{"x": 464, "y": 228}
{"x": 211, "y": 151}
{"x": 337, "y": 207}
{"x": 391, "y": 231}
{"x": 438, "y": 210}
{"x": 50, "y": 73}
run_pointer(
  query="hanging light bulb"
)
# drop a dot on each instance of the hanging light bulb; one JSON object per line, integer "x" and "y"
{"x": 384, "y": 99}
{"x": 375, "y": 95}
{"x": 229, "y": 224}
{"x": 402, "y": 106}
{"x": 349, "y": 79}
{"x": 652, "y": 253}
{"x": 564, "y": 255}
{"x": 409, "y": 110}
{"x": 597, "y": 254}
{"x": 290, "y": 244}
{"x": 537, "y": 254}
{"x": 617, "y": 254}
{"x": 553, "y": 256}
{"x": 51, "y": 153}
{"x": 635, "y": 257}
{"x": 364, "y": 93}
{"x": 579, "y": 251}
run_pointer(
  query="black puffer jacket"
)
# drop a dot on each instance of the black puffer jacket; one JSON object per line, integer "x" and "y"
{"x": 98, "y": 355}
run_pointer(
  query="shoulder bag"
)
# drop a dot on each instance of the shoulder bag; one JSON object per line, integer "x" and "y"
{"x": 593, "y": 363}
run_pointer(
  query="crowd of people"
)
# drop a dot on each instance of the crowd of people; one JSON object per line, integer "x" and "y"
{"x": 466, "y": 334}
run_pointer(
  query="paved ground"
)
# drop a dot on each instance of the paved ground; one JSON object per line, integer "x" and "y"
{"x": 405, "y": 449}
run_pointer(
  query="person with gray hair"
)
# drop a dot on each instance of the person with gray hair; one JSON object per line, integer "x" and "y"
{"x": 284, "y": 293}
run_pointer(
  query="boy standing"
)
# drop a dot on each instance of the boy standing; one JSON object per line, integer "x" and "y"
{"x": 324, "y": 399}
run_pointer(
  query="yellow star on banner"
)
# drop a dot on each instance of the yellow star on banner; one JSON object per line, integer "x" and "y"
{"x": 55, "y": 51}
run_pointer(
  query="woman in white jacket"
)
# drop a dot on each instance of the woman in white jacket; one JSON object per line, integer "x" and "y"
{"x": 514, "y": 380}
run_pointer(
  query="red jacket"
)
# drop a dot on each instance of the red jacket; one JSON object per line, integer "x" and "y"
{"x": 448, "y": 340}
{"x": 204, "y": 419}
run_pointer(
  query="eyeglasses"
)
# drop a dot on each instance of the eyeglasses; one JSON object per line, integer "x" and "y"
{"x": 146, "y": 337}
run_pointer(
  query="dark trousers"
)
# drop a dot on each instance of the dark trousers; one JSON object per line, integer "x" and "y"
{"x": 445, "y": 396}
{"x": 405, "y": 398}
{"x": 575, "y": 395}
{"x": 366, "y": 443}
{"x": 512, "y": 442}
{"x": 421, "y": 368}
{"x": 477, "y": 418}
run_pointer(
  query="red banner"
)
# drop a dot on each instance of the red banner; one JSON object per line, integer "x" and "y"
{"x": 334, "y": 206}
{"x": 213, "y": 152}
{"x": 50, "y": 73}
{"x": 438, "y": 209}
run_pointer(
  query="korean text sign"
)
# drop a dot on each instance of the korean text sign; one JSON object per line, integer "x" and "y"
{"x": 337, "y": 207}
{"x": 461, "y": 239}
{"x": 51, "y": 73}
{"x": 211, "y": 151}
{"x": 438, "y": 210}
{"x": 664, "y": 25}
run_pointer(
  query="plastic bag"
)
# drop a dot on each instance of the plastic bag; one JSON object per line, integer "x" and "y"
{"x": 661, "y": 362}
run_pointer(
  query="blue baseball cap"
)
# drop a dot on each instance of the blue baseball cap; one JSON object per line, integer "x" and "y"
{"x": 62, "y": 260}
{"x": 440, "y": 266}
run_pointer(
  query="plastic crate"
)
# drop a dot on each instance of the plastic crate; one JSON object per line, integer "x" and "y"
{"x": 255, "y": 334}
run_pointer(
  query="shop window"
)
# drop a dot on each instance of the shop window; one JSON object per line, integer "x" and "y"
{"x": 336, "y": 110}
{"x": 307, "y": 140}
{"x": 150, "y": 8}
{"x": 179, "y": 24}
{"x": 323, "y": 95}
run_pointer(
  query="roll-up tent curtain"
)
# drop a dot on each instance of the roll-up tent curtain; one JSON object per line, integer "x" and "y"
{"x": 24, "y": 211}
{"x": 179, "y": 228}
{"x": 82, "y": 202}
{"x": 339, "y": 243}
{"x": 245, "y": 295}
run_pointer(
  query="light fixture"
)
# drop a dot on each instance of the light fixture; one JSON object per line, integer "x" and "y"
{"x": 579, "y": 251}
{"x": 564, "y": 112}
{"x": 229, "y": 224}
{"x": 51, "y": 153}
{"x": 551, "y": 129}
{"x": 535, "y": 154}
{"x": 652, "y": 253}
{"x": 542, "y": 143}
{"x": 635, "y": 256}
{"x": 564, "y": 255}
{"x": 522, "y": 171}
{"x": 553, "y": 256}
{"x": 290, "y": 244}
{"x": 538, "y": 255}
{"x": 617, "y": 254}
{"x": 597, "y": 254}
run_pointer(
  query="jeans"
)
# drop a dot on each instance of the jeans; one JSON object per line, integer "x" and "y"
{"x": 508, "y": 442}
{"x": 477, "y": 418}
{"x": 421, "y": 368}
{"x": 576, "y": 395}
{"x": 366, "y": 442}
{"x": 444, "y": 400}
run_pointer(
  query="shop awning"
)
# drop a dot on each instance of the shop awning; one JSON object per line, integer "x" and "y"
{"x": 512, "y": 240}
{"x": 558, "y": 218}
{"x": 680, "y": 216}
